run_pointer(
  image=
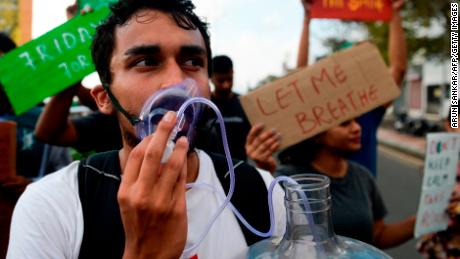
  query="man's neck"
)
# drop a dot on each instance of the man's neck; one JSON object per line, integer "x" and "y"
{"x": 330, "y": 163}
{"x": 193, "y": 163}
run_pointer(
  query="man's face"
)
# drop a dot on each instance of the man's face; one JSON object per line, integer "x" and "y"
{"x": 223, "y": 82}
{"x": 151, "y": 52}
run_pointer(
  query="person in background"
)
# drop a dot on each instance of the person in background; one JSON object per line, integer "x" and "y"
{"x": 94, "y": 132}
{"x": 261, "y": 144}
{"x": 445, "y": 244}
{"x": 237, "y": 125}
{"x": 30, "y": 150}
{"x": 358, "y": 209}
{"x": 34, "y": 159}
{"x": 240, "y": 134}
{"x": 370, "y": 121}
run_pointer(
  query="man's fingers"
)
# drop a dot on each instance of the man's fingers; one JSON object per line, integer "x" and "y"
{"x": 171, "y": 171}
{"x": 152, "y": 158}
{"x": 133, "y": 165}
{"x": 179, "y": 191}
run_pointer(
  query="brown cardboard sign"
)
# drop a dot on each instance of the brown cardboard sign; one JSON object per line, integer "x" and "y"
{"x": 321, "y": 96}
{"x": 7, "y": 149}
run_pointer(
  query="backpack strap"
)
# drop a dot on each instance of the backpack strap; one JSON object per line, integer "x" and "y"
{"x": 249, "y": 197}
{"x": 98, "y": 183}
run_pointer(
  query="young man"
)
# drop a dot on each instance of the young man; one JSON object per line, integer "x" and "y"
{"x": 128, "y": 204}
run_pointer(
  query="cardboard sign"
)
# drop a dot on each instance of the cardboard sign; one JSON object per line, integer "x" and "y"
{"x": 323, "y": 95}
{"x": 7, "y": 149}
{"x": 363, "y": 10}
{"x": 438, "y": 182}
{"x": 50, "y": 63}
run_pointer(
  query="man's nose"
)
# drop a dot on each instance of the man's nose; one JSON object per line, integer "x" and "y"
{"x": 173, "y": 74}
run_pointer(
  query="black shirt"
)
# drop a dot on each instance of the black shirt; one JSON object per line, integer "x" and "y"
{"x": 237, "y": 127}
{"x": 97, "y": 132}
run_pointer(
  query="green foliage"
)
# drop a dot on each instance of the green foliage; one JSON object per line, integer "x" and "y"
{"x": 426, "y": 25}
{"x": 418, "y": 16}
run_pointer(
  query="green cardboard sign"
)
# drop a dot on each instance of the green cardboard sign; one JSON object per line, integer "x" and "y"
{"x": 50, "y": 63}
{"x": 94, "y": 4}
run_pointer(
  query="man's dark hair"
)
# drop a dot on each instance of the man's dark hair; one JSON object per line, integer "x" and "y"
{"x": 104, "y": 39}
{"x": 222, "y": 64}
{"x": 6, "y": 43}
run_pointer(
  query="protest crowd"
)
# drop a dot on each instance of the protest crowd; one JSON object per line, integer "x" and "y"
{"x": 90, "y": 185}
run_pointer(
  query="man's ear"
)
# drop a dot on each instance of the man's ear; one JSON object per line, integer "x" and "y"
{"x": 102, "y": 100}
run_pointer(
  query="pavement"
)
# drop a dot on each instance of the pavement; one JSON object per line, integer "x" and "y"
{"x": 406, "y": 143}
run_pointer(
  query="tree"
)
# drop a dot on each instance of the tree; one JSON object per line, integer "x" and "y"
{"x": 426, "y": 24}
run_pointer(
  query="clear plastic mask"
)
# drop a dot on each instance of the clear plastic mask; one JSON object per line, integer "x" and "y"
{"x": 171, "y": 99}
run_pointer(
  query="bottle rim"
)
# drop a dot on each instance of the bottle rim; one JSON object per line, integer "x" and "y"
{"x": 308, "y": 182}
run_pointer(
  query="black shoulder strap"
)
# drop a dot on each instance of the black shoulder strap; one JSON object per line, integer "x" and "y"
{"x": 98, "y": 183}
{"x": 249, "y": 197}
{"x": 99, "y": 180}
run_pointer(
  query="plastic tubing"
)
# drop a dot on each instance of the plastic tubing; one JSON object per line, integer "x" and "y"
{"x": 269, "y": 233}
{"x": 180, "y": 116}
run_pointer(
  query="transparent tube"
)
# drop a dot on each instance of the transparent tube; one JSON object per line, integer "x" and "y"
{"x": 180, "y": 94}
{"x": 269, "y": 233}
{"x": 180, "y": 116}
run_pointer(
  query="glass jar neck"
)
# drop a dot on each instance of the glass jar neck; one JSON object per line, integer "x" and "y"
{"x": 308, "y": 209}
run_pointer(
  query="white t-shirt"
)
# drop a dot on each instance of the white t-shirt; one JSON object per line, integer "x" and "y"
{"x": 48, "y": 220}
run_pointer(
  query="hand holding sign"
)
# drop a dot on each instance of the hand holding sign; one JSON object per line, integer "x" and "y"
{"x": 369, "y": 10}
{"x": 261, "y": 145}
{"x": 438, "y": 182}
{"x": 397, "y": 4}
{"x": 453, "y": 210}
{"x": 323, "y": 95}
{"x": 306, "y": 6}
{"x": 50, "y": 63}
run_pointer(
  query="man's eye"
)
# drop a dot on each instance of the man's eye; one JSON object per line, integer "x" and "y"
{"x": 194, "y": 62}
{"x": 146, "y": 62}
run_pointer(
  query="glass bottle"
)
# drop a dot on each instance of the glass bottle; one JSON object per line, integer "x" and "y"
{"x": 314, "y": 240}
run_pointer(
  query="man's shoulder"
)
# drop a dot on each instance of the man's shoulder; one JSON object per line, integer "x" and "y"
{"x": 54, "y": 193}
{"x": 64, "y": 179}
{"x": 47, "y": 217}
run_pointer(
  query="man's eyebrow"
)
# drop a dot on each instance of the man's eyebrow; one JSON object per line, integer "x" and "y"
{"x": 143, "y": 50}
{"x": 192, "y": 50}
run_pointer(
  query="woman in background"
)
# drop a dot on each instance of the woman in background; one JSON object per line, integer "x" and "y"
{"x": 358, "y": 210}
